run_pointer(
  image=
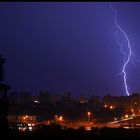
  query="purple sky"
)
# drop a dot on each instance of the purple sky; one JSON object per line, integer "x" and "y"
{"x": 68, "y": 46}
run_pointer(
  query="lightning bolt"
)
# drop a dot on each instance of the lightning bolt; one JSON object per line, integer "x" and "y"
{"x": 126, "y": 59}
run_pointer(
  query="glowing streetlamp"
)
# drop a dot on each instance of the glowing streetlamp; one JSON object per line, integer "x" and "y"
{"x": 126, "y": 116}
{"x": 111, "y": 107}
{"x": 89, "y": 114}
{"x": 115, "y": 119}
{"x": 60, "y": 118}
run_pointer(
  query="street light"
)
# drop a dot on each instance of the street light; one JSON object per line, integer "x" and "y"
{"x": 24, "y": 118}
{"x": 89, "y": 114}
{"x": 60, "y": 118}
{"x": 126, "y": 116}
{"x": 111, "y": 107}
{"x": 115, "y": 119}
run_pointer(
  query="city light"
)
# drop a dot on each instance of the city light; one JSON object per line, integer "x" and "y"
{"x": 111, "y": 107}
{"x": 29, "y": 124}
{"x": 126, "y": 116}
{"x": 133, "y": 115}
{"x": 88, "y": 128}
{"x": 36, "y": 101}
{"x": 30, "y": 128}
{"x": 60, "y": 118}
{"x": 115, "y": 119}
{"x": 89, "y": 113}
{"x": 33, "y": 124}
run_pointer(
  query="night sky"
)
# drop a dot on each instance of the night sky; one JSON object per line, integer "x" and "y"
{"x": 68, "y": 46}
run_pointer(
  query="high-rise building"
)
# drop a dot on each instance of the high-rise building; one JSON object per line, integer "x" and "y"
{"x": 13, "y": 98}
{"x": 25, "y": 98}
{"x": 3, "y": 99}
{"x": 45, "y": 97}
{"x": 2, "y": 61}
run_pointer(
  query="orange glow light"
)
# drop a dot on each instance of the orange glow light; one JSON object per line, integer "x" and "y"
{"x": 126, "y": 116}
{"x": 89, "y": 113}
{"x": 111, "y": 107}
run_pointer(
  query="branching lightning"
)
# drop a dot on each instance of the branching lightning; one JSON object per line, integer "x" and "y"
{"x": 126, "y": 59}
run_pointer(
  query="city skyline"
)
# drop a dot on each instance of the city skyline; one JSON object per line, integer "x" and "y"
{"x": 68, "y": 46}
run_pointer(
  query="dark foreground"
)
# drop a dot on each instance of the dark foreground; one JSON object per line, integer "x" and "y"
{"x": 56, "y": 132}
